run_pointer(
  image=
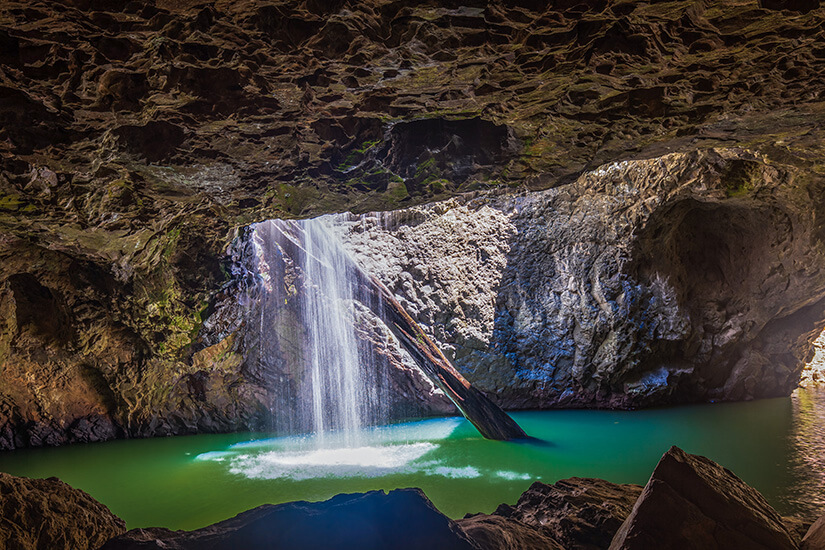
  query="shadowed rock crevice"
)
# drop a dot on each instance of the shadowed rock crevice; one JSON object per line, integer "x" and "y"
{"x": 40, "y": 310}
{"x": 729, "y": 263}
{"x": 438, "y": 148}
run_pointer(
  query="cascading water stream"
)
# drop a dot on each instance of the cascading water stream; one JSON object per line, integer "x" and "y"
{"x": 309, "y": 277}
{"x": 321, "y": 312}
{"x": 335, "y": 365}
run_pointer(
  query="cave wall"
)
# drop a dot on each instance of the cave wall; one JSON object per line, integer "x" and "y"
{"x": 137, "y": 139}
{"x": 683, "y": 278}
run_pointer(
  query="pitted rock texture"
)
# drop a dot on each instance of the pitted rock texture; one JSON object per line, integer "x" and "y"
{"x": 47, "y": 513}
{"x": 682, "y": 278}
{"x": 813, "y": 374}
{"x": 574, "y": 514}
{"x": 137, "y": 137}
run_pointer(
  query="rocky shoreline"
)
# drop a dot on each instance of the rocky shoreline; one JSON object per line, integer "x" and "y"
{"x": 689, "y": 502}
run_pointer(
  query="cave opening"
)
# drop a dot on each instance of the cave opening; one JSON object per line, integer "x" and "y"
{"x": 729, "y": 262}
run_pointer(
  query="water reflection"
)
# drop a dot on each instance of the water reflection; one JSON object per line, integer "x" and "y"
{"x": 806, "y": 495}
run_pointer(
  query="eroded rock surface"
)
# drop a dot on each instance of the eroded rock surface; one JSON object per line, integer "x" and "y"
{"x": 574, "y": 514}
{"x": 46, "y": 513}
{"x": 682, "y": 278}
{"x": 692, "y": 502}
{"x": 136, "y": 137}
{"x": 493, "y": 532}
{"x": 815, "y": 537}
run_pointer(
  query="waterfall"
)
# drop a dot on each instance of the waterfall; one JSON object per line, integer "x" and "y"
{"x": 313, "y": 330}
{"x": 320, "y": 318}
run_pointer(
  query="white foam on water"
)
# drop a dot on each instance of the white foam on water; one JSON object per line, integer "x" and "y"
{"x": 215, "y": 456}
{"x": 324, "y": 463}
{"x": 467, "y": 472}
{"x": 387, "y": 450}
{"x": 512, "y": 476}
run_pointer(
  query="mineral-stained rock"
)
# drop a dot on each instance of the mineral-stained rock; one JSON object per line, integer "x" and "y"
{"x": 691, "y": 502}
{"x": 38, "y": 514}
{"x": 815, "y": 537}
{"x": 403, "y": 518}
{"x": 574, "y": 514}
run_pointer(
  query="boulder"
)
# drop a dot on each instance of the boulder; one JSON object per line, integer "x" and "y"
{"x": 815, "y": 537}
{"x": 493, "y": 532}
{"x": 400, "y": 519}
{"x": 691, "y": 502}
{"x": 49, "y": 514}
{"x": 580, "y": 513}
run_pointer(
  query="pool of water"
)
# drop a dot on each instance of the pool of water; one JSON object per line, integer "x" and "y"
{"x": 776, "y": 445}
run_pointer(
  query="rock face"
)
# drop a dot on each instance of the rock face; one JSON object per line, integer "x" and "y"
{"x": 692, "y": 502}
{"x": 577, "y": 512}
{"x": 495, "y": 532}
{"x": 403, "y": 519}
{"x": 47, "y": 513}
{"x": 815, "y": 537}
{"x": 682, "y": 278}
{"x": 574, "y": 514}
{"x": 136, "y": 138}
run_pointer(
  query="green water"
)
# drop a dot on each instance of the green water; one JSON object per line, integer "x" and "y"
{"x": 189, "y": 482}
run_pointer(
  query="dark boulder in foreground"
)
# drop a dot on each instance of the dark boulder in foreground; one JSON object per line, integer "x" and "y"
{"x": 691, "y": 502}
{"x": 48, "y": 514}
{"x": 580, "y": 513}
{"x": 400, "y": 519}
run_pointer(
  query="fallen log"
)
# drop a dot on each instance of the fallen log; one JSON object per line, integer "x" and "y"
{"x": 488, "y": 418}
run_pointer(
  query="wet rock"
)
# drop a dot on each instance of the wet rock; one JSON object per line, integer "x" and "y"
{"x": 575, "y": 513}
{"x": 403, "y": 518}
{"x": 692, "y": 502}
{"x": 47, "y": 513}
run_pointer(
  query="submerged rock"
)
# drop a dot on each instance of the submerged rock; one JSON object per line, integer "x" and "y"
{"x": 38, "y": 514}
{"x": 692, "y": 502}
{"x": 402, "y": 519}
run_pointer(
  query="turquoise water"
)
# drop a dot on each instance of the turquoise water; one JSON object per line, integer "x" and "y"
{"x": 189, "y": 482}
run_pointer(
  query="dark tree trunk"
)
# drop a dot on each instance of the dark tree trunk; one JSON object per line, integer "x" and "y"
{"x": 486, "y": 416}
